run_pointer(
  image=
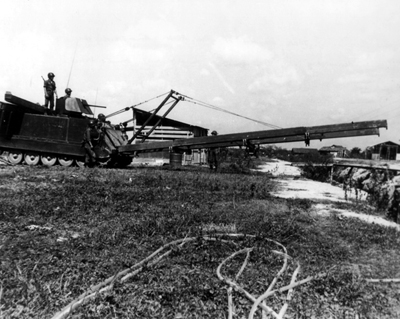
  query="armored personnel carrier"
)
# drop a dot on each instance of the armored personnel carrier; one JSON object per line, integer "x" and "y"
{"x": 33, "y": 134}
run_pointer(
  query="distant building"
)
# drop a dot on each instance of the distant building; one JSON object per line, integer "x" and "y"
{"x": 335, "y": 150}
{"x": 384, "y": 151}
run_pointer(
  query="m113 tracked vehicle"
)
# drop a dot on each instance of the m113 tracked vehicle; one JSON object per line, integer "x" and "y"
{"x": 31, "y": 133}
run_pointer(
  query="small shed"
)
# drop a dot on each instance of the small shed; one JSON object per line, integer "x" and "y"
{"x": 386, "y": 151}
{"x": 335, "y": 150}
{"x": 167, "y": 130}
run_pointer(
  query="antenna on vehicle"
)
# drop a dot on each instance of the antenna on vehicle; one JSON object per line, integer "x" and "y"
{"x": 72, "y": 64}
{"x": 95, "y": 101}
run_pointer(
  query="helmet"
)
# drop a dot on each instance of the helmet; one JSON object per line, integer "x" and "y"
{"x": 51, "y": 75}
{"x": 92, "y": 123}
{"x": 214, "y": 133}
{"x": 68, "y": 90}
{"x": 101, "y": 116}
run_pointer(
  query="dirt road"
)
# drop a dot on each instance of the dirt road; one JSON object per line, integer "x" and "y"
{"x": 292, "y": 185}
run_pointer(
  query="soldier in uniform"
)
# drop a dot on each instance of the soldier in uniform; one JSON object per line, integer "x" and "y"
{"x": 101, "y": 121}
{"x": 68, "y": 92}
{"x": 394, "y": 206}
{"x": 49, "y": 90}
{"x": 90, "y": 139}
{"x": 213, "y": 154}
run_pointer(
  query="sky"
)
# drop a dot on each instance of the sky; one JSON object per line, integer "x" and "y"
{"x": 288, "y": 63}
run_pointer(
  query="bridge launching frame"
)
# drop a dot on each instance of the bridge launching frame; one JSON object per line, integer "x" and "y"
{"x": 286, "y": 135}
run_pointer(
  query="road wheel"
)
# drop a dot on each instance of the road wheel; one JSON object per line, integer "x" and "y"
{"x": 65, "y": 161}
{"x": 48, "y": 160}
{"x": 15, "y": 157}
{"x": 80, "y": 163}
{"x": 32, "y": 159}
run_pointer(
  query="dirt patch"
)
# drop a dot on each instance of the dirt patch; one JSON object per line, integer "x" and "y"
{"x": 280, "y": 168}
{"x": 300, "y": 188}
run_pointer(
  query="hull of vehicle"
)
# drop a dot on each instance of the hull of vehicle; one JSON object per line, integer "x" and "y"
{"x": 48, "y": 139}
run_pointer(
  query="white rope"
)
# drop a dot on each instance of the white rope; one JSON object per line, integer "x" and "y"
{"x": 133, "y": 106}
{"x": 194, "y": 101}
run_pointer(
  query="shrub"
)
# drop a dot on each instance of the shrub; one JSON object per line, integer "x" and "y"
{"x": 318, "y": 167}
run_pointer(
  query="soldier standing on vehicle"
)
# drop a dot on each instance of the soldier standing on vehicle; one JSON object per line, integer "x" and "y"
{"x": 90, "y": 139}
{"x": 213, "y": 154}
{"x": 49, "y": 90}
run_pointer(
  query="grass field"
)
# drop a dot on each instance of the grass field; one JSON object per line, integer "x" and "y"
{"x": 92, "y": 224}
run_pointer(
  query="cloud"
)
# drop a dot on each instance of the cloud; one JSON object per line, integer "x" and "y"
{"x": 334, "y": 9}
{"x": 240, "y": 51}
{"x": 370, "y": 75}
{"x": 218, "y": 101}
{"x": 17, "y": 46}
{"x": 352, "y": 78}
{"x": 222, "y": 78}
{"x": 154, "y": 42}
{"x": 340, "y": 114}
{"x": 115, "y": 87}
{"x": 367, "y": 65}
{"x": 275, "y": 75}
{"x": 370, "y": 60}
{"x": 254, "y": 63}
{"x": 155, "y": 85}
{"x": 121, "y": 91}
{"x": 124, "y": 51}
{"x": 204, "y": 72}
{"x": 156, "y": 30}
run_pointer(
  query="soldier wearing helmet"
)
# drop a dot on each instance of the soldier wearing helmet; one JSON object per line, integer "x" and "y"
{"x": 68, "y": 92}
{"x": 213, "y": 154}
{"x": 102, "y": 123}
{"x": 91, "y": 138}
{"x": 101, "y": 118}
{"x": 49, "y": 90}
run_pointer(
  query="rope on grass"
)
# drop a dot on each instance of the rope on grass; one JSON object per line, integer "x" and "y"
{"x": 288, "y": 287}
{"x": 259, "y": 302}
{"x": 5, "y": 161}
{"x": 280, "y": 272}
{"x": 158, "y": 255}
{"x": 237, "y": 287}
{"x": 108, "y": 283}
{"x": 289, "y": 294}
{"x": 390, "y": 280}
{"x": 230, "y": 288}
